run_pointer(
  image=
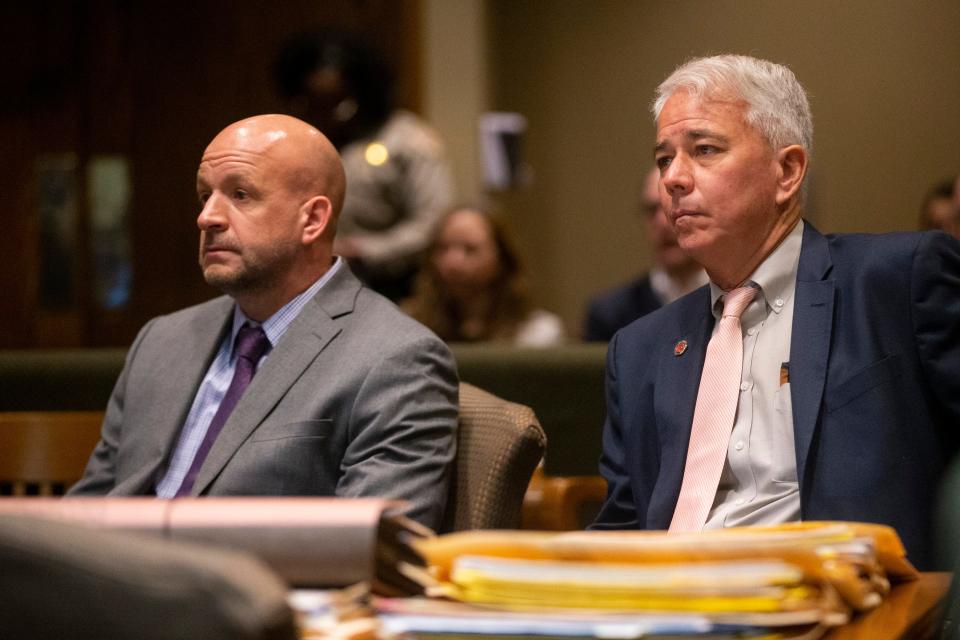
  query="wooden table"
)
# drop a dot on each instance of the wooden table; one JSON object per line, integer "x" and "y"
{"x": 912, "y": 610}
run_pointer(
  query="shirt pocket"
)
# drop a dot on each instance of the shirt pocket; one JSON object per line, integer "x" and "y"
{"x": 305, "y": 429}
{"x": 782, "y": 447}
{"x": 783, "y": 403}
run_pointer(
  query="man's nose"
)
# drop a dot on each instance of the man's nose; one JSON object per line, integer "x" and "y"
{"x": 212, "y": 215}
{"x": 677, "y": 178}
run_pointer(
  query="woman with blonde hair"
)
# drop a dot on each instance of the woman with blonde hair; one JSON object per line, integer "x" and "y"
{"x": 471, "y": 287}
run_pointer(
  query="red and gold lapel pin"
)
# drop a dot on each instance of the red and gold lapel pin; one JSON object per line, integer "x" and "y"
{"x": 680, "y": 348}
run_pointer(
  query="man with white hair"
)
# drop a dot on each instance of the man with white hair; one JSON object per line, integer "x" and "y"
{"x": 816, "y": 377}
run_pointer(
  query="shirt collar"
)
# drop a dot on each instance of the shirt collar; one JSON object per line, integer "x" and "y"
{"x": 276, "y": 325}
{"x": 776, "y": 277}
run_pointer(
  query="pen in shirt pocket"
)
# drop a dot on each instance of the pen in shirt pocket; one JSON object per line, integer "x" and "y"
{"x": 784, "y": 373}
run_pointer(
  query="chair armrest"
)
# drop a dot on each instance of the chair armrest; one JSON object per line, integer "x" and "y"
{"x": 562, "y": 503}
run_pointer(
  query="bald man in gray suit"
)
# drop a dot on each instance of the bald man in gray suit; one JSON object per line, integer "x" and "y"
{"x": 346, "y": 395}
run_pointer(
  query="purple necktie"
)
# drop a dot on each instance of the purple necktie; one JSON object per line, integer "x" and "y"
{"x": 251, "y": 344}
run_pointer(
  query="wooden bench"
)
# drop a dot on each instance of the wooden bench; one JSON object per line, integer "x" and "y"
{"x": 44, "y": 452}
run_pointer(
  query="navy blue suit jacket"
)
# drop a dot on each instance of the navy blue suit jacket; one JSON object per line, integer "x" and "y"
{"x": 875, "y": 387}
{"x": 611, "y": 311}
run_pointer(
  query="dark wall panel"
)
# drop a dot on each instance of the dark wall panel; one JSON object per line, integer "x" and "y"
{"x": 152, "y": 82}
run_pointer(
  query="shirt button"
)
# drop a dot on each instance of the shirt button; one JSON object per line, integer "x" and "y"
{"x": 751, "y": 331}
{"x": 778, "y": 302}
{"x": 739, "y": 445}
{"x": 739, "y": 501}
{"x": 744, "y": 386}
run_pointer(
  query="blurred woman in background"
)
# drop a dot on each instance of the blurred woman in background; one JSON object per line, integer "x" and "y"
{"x": 471, "y": 287}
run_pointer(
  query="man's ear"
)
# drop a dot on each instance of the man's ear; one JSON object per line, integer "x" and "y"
{"x": 792, "y": 164}
{"x": 317, "y": 215}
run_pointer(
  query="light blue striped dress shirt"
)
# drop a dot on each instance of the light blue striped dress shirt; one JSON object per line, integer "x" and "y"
{"x": 218, "y": 378}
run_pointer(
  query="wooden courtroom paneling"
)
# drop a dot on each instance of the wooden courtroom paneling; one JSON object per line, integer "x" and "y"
{"x": 152, "y": 82}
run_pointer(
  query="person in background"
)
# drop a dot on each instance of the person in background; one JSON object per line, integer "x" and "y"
{"x": 399, "y": 180}
{"x": 298, "y": 381}
{"x": 941, "y": 208}
{"x": 673, "y": 274}
{"x": 472, "y": 288}
{"x": 817, "y": 377}
{"x": 956, "y": 200}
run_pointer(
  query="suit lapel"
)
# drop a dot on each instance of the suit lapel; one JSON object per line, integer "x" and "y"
{"x": 183, "y": 362}
{"x": 302, "y": 343}
{"x": 190, "y": 357}
{"x": 810, "y": 342}
{"x": 678, "y": 381}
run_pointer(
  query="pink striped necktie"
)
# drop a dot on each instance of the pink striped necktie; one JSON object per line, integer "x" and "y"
{"x": 713, "y": 415}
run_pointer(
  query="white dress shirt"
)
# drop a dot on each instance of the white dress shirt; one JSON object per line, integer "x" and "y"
{"x": 759, "y": 480}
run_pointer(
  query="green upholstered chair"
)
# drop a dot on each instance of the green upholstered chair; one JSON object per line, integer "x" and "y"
{"x": 58, "y": 380}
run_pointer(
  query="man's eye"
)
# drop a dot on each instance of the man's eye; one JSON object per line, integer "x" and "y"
{"x": 203, "y": 197}
{"x": 240, "y": 194}
{"x": 707, "y": 149}
{"x": 663, "y": 162}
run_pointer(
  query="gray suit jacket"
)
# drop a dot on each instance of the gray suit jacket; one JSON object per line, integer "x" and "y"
{"x": 356, "y": 399}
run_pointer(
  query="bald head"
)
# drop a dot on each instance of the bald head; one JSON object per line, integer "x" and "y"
{"x": 309, "y": 162}
{"x": 270, "y": 188}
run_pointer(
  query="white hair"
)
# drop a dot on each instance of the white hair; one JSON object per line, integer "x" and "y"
{"x": 777, "y": 105}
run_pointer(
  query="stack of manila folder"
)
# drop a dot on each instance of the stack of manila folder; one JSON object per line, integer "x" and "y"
{"x": 798, "y": 579}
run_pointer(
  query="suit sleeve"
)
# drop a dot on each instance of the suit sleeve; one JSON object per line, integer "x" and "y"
{"x": 403, "y": 430}
{"x": 935, "y": 289}
{"x": 618, "y": 511}
{"x": 99, "y": 477}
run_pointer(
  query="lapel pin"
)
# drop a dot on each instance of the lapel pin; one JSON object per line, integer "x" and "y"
{"x": 680, "y": 348}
